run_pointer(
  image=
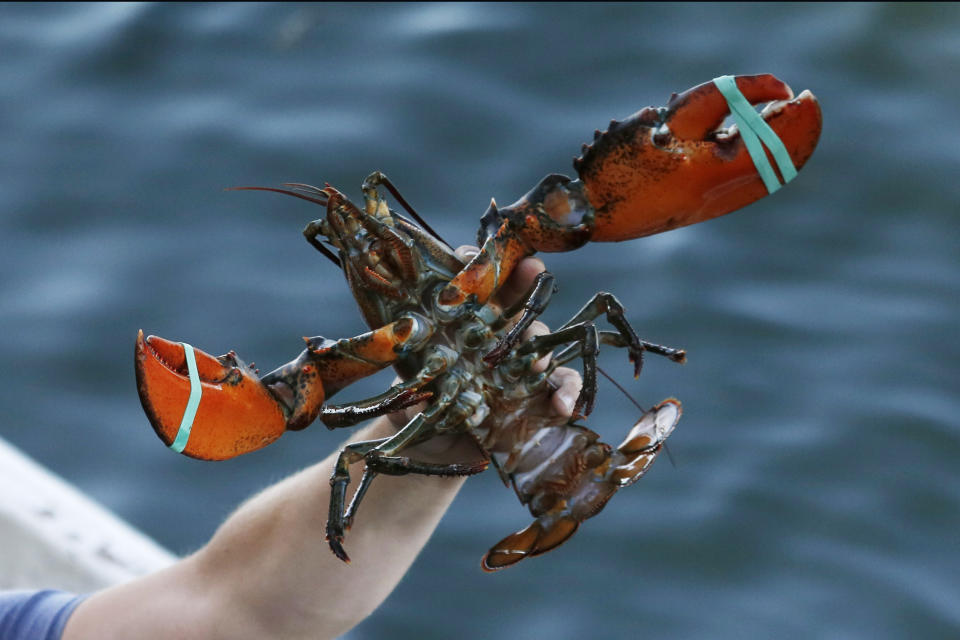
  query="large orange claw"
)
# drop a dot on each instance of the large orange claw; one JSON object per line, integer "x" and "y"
{"x": 666, "y": 168}
{"x": 237, "y": 413}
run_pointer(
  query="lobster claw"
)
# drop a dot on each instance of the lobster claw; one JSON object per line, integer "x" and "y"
{"x": 670, "y": 167}
{"x": 237, "y": 413}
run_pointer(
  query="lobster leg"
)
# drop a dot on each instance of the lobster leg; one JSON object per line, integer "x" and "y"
{"x": 365, "y": 480}
{"x": 399, "y": 396}
{"x": 380, "y": 455}
{"x": 586, "y": 340}
{"x": 607, "y": 303}
{"x": 336, "y": 521}
{"x": 311, "y": 233}
{"x": 532, "y": 305}
{"x": 581, "y": 331}
{"x": 340, "y": 479}
{"x": 402, "y": 465}
{"x": 614, "y": 339}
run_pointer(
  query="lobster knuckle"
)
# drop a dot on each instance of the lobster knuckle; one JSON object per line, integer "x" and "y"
{"x": 554, "y": 216}
{"x": 309, "y": 396}
{"x": 411, "y": 332}
{"x": 403, "y": 327}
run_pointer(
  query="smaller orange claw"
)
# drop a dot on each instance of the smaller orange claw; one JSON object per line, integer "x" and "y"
{"x": 237, "y": 413}
{"x": 666, "y": 168}
{"x": 544, "y": 534}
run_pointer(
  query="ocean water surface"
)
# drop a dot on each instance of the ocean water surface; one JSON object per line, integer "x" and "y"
{"x": 816, "y": 484}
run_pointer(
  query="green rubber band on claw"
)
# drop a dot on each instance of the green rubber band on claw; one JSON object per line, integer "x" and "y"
{"x": 753, "y": 131}
{"x": 196, "y": 390}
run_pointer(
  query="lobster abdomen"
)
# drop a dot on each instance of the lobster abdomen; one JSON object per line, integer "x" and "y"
{"x": 565, "y": 475}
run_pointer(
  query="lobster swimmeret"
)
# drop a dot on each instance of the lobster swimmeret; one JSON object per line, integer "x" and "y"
{"x": 433, "y": 318}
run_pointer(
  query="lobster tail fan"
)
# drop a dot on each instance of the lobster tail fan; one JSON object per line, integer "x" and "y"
{"x": 645, "y": 441}
{"x": 541, "y": 536}
{"x": 512, "y": 549}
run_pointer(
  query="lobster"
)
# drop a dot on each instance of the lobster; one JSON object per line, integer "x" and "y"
{"x": 434, "y": 319}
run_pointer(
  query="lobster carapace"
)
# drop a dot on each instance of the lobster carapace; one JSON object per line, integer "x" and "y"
{"x": 434, "y": 318}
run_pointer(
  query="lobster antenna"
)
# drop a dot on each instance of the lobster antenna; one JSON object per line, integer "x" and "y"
{"x": 622, "y": 390}
{"x": 637, "y": 405}
{"x": 673, "y": 464}
{"x": 307, "y": 188}
{"x": 320, "y": 201}
{"x": 287, "y": 192}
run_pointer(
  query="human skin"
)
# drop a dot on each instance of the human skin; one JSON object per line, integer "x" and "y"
{"x": 267, "y": 572}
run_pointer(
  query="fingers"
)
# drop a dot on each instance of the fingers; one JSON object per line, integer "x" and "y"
{"x": 520, "y": 281}
{"x": 538, "y": 329}
{"x": 568, "y": 383}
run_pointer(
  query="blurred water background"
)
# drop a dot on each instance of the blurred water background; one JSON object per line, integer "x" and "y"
{"x": 816, "y": 490}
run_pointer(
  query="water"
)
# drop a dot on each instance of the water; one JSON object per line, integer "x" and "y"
{"x": 815, "y": 492}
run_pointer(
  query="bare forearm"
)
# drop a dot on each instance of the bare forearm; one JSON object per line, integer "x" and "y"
{"x": 268, "y": 572}
{"x": 281, "y": 567}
